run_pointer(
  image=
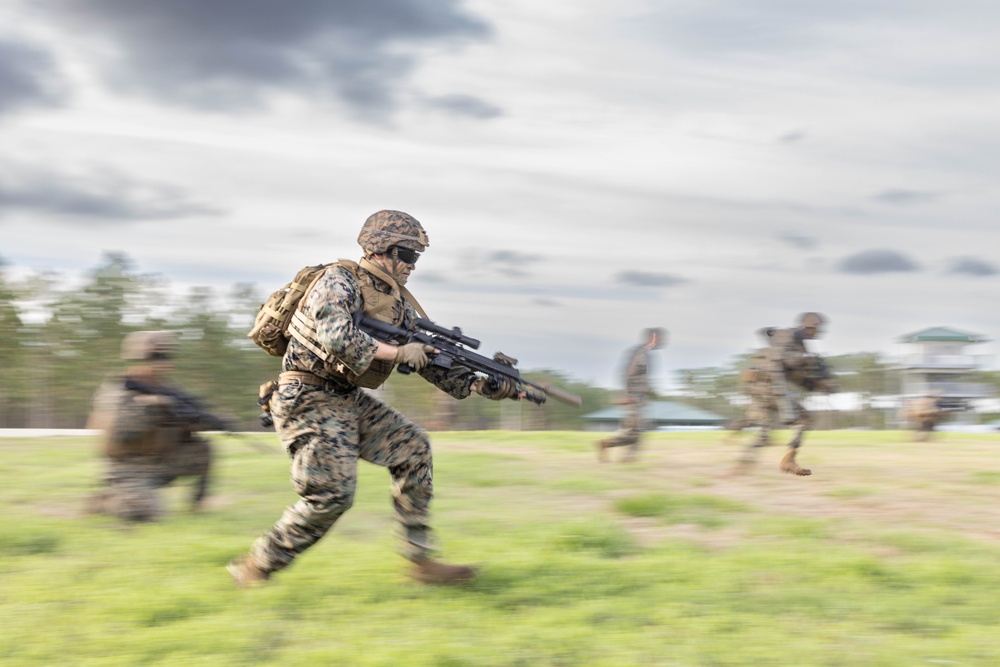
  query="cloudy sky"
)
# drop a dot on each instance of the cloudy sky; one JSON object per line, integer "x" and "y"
{"x": 583, "y": 169}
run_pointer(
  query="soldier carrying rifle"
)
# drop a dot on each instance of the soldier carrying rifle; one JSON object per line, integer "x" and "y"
{"x": 149, "y": 432}
{"x": 777, "y": 373}
{"x": 324, "y": 420}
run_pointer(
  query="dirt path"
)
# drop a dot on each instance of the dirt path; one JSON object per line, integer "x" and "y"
{"x": 949, "y": 484}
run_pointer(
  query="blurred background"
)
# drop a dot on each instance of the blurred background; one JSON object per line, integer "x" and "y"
{"x": 583, "y": 170}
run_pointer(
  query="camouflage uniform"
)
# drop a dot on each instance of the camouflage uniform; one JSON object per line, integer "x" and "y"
{"x": 776, "y": 375}
{"x": 923, "y": 415}
{"x": 147, "y": 445}
{"x": 326, "y": 429}
{"x": 637, "y": 393}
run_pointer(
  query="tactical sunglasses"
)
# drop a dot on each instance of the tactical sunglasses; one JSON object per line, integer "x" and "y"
{"x": 406, "y": 255}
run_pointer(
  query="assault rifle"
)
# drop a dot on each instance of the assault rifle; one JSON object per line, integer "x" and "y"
{"x": 188, "y": 411}
{"x": 817, "y": 376}
{"x": 452, "y": 349}
{"x": 185, "y": 409}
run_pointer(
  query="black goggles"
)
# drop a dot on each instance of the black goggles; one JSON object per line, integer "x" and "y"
{"x": 406, "y": 255}
{"x": 160, "y": 355}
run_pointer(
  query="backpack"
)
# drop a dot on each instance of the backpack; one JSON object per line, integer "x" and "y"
{"x": 270, "y": 326}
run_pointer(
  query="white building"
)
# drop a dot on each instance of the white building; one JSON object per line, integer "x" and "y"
{"x": 938, "y": 363}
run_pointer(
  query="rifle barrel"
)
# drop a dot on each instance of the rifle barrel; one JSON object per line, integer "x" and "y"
{"x": 559, "y": 394}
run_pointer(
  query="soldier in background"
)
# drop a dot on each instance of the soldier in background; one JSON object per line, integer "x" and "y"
{"x": 149, "y": 432}
{"x": 923, "y": 415}
{"x": 776, "y": 374}
{"x": 637, "y": 395}
{"x": 327, "y": 423}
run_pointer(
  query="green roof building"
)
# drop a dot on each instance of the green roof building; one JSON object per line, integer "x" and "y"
{"x": 659, "y": 414}
{"x": 942, "y": 334}
{"x": 938, "y": 364}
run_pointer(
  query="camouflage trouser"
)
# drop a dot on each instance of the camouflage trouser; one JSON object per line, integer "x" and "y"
{"x": 925, "y": 427}
{"x": 326, "y": 433}
{"x": 131, "y": 485}
{"x": 766, "y": 413}
{"x": 788, "y": 409}
{"x": 191, "y": 457}
{"x": 130, "y": 490}
{"x": 630, "y": 432}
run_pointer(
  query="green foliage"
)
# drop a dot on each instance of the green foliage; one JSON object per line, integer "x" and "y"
{"x": 52, "y": 362}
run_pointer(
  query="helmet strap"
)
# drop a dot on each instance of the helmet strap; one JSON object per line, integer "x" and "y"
{"x": 398, "y": 267}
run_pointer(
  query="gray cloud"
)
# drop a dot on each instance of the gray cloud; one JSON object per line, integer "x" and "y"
{"x": 232, "y": 54}
{"x": 28, "y": 77}
{"x": 511, "y": 262}
{"x": 433, "y": 278}
{"x": 106, "y": 197}
{"x": 545, "y": 302}
{"x": 465, "y": 105}
{"x": 877, "y": 261}
{"x": 906, "y": 197}
{"x": 792, "y": 137}
{"x": 797, "y": 240}
{"x": 643, "y": 279}
{"x": 971, "y": 266}
{"x": 716, "y": 29}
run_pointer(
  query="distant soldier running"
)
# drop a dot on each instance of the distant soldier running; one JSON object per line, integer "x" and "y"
{"x": 923, "y": 415}
{"x": 778, "y": 371}
{"x": 637, "y": 393}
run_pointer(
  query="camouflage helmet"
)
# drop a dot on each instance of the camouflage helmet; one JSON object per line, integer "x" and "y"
{"x": 149, "y": 346}
{"x": 385, "y": 229}
{"x": 812, "y": 320}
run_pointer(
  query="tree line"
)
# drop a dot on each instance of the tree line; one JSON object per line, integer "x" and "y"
{"x": 59, "y": 342}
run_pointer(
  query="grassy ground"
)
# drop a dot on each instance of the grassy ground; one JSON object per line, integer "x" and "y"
{"x": 888, "y": 555}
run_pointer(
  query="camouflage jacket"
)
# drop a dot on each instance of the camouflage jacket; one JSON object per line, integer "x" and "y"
{"x": 332, "y": 304}
{"x": 636, "y": 373}
{"x": 137, "y": 424}
{"x": 787, "y": 354}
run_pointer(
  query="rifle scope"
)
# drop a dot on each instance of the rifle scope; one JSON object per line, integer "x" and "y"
{"x": 454, "y": 334}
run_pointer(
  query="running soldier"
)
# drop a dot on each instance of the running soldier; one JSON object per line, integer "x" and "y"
{"x": 923, "y": 415}
{"x": 327, "y": 423}
{"x": 778, "y": 372}
{"x": 149, "y": 432}
{"x": 637, "y": 395}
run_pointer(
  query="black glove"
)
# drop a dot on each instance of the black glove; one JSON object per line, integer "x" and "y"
{"x": 496, "y": 389}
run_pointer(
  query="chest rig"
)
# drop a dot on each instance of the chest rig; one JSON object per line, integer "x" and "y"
{"x": 382, "y": 299}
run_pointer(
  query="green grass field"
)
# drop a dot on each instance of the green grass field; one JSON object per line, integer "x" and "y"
{"x": 888, "y": 555}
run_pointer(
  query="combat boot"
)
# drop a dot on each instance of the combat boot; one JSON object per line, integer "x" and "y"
{"x": 430, "y": 571}
{"x": 98, "y": 503}
{"x": 602, "y": 450}
{"x": 245, "y": 573}
{"x": 789, "y": 465}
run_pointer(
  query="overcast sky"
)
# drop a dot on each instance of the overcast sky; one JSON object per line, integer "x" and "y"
{"x": 583, "y": 169}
